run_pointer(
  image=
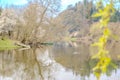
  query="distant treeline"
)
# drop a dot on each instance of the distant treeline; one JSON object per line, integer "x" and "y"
{"x": 87, "y": 8}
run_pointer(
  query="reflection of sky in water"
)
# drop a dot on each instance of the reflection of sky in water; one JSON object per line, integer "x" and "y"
{"x": 58, "y": 71}
{"x": 61, "y": 73}
{"x": 115, "y": 76}
{"x": 53, "y": 70}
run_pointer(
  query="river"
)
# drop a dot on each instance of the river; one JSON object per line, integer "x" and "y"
{"x": 57, "y": 62}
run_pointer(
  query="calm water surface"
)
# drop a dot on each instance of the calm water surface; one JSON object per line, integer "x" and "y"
{"x": 58, "y": 62}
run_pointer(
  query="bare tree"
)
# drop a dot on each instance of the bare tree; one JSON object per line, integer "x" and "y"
{"x": 36, "y": 19}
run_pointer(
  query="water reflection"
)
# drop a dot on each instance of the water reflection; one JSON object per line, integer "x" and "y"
{"x": 19, "y": 65}
{"x": 59, "y": 62}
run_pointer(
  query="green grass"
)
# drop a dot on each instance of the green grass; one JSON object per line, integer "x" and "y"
{"x": 7, "y": 44}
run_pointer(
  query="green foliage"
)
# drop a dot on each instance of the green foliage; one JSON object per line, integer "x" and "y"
{"x": 7, "y": 44}
{"x": 103, "y": 54}
{"x": 115, "y": 17}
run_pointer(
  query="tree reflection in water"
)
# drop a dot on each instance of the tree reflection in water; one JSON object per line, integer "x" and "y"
{"x": 54, "y": 63}
{"x": 20, "y": 65}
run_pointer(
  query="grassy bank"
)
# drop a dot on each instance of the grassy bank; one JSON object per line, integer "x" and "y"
{"x": 7, "y": 44}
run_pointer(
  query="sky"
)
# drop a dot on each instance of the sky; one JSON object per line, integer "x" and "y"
{"x": 64, "y": 3}
{"x": 15, "y": 2}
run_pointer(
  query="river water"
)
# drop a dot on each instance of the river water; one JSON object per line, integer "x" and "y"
{"x": 57, "y": 62}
